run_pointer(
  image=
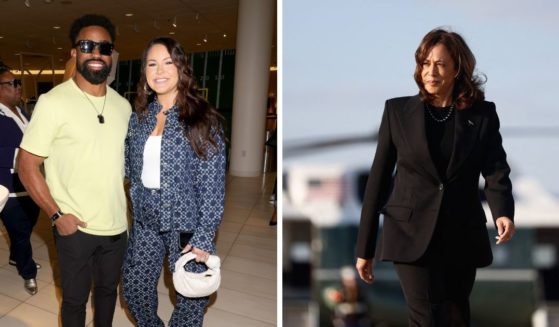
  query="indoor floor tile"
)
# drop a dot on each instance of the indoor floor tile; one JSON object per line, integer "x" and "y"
{"x": 247, "y": 247}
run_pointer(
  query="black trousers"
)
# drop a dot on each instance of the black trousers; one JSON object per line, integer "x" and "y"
{"x": 82, "y": 257}
{"x": 19, "y": 216}
{"x": 437, "y": 294}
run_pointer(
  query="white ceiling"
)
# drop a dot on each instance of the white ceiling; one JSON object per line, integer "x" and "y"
{"x": 30, "y": 29}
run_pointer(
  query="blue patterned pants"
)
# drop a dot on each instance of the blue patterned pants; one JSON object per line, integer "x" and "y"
{"x": 143, "y": 263}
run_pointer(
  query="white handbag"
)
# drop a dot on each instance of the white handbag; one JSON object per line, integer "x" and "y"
{"x": 4, "y": 195}
{"x": 190, "y": 284}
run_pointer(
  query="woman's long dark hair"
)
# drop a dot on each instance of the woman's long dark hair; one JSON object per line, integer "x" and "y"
{"x": 467, "y": 86}
{"x": 201, "y": 122}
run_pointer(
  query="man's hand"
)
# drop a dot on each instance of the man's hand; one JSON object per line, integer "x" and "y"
{"x": 68, "y": 224}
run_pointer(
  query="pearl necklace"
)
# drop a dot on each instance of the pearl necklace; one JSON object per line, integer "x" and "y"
{"x": 443, "y": 119}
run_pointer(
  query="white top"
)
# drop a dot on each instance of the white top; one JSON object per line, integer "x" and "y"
{"x": 4, "y": 194}
{"x": 152, "y": 162}
{"x": 21, "y": 123}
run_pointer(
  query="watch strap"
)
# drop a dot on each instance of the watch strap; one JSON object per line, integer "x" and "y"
{"x": 56, "y": 215}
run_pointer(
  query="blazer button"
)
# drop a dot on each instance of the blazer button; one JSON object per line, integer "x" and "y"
{"x": 441, "y": 187}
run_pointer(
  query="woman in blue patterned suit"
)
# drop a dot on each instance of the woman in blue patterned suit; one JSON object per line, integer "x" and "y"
{"x": 175, "y": 160}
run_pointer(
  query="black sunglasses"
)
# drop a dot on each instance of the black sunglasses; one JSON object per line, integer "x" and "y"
{"x": 87, "y": 46}
{"x": 15, "y": 82}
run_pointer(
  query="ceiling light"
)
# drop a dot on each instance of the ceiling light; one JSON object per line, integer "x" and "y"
{"x": 175, "y": 22}
{"x": 172, "y": 33}
{"x": 56, "y": 27}
{"x": 48, "y": 1}
{"x": 198, "y": 43}
{"x": 205, "y": 39}
{"x": 27, "y": 3}
{"x": 59, "y": 48}
{"x": 1, "y": 37}
{"x": 224, "y": 35}
{"x": 197, "y": 16}
{"x": 129, "y": 14}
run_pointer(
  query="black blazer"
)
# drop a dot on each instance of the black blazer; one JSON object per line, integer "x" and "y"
{"x": 414, "y": 196}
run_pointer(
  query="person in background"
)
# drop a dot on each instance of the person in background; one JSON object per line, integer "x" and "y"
{"x": 347, "y": 301}
{"x": 78, "y": 131}
{"x": 175, "y": 160}
{"x": 20, "y": 213}
{"x": 432, "y": 149}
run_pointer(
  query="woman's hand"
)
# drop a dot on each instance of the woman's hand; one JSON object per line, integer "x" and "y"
{"x": 201, "y": 255}
{"x": 505, "y": 228}
{"x": 365, "y": 270}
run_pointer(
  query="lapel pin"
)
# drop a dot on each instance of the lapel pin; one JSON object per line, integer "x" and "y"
{"x": 471, "y": 123}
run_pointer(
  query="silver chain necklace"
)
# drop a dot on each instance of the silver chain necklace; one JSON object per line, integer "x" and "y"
{"x": 100, "y": 116}
{"x": 443, "y": 119}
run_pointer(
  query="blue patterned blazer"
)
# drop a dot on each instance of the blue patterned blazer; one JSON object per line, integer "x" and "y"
{"x": 192, "y": 189}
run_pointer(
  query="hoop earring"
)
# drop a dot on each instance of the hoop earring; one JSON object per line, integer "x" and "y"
{"x": 147, "y": 89}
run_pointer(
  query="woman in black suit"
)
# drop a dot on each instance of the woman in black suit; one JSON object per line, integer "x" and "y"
{"x": 431, "y": 150}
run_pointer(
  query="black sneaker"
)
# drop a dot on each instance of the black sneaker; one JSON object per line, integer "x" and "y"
{"x": 13, "y": 263}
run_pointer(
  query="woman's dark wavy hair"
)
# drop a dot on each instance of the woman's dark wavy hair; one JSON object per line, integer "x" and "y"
{"x": 467, "y": 86}
{"x": 201, "y": 122}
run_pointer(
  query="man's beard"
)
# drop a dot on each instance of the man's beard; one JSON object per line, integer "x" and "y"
{"x": 94, "y": 76}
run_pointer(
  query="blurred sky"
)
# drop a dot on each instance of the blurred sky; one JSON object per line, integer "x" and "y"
{"x": 343, "y": 59}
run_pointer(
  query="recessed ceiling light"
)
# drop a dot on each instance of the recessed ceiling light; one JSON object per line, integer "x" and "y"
{"x": 224, "y": 35}
{"x": 129, "y": 14}
{"x": 56, "y": 27}
{"x": 1, "y": 37}
{"x": 172, "y": 33}
{"x": 198, "y": 43}
{"x": 59, "y": 48}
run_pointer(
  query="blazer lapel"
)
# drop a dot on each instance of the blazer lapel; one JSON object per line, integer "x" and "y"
{"x": 466, "y": 129}
{"x": 413, "y": 121}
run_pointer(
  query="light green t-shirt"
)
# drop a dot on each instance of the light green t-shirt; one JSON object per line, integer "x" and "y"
{"x": 84, "y": 163}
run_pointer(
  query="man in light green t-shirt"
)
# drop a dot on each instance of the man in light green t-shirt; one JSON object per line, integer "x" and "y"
{"x": 78, "y": 131}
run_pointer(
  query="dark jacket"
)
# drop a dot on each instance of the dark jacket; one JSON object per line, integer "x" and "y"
{"x": 192, "y": 189}
{"x": 10, "y": 138}
{"x": 414, "y": 197}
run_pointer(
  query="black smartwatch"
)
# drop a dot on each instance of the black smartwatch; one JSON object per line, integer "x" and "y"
{"x": 56, "y": 215}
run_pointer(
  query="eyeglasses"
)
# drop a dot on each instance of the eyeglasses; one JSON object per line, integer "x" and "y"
{"x": 15, "y": 82}
{"x": 87, "y": 46}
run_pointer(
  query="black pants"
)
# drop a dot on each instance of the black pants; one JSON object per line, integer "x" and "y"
{"x": 82, "y": 256}
{"x": 19, "y": 217}
{"x": 437, "y": 294}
